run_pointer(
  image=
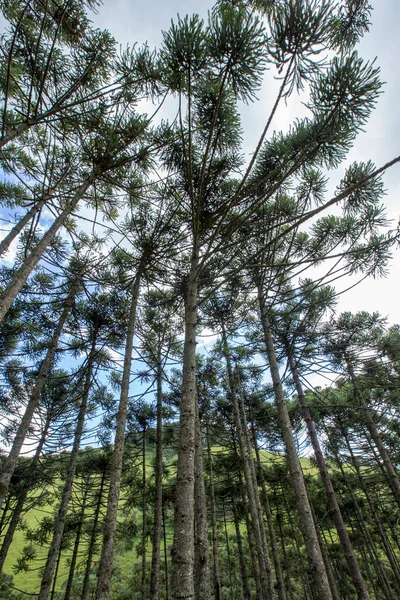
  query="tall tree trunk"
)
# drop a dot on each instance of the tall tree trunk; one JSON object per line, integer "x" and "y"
{"x": 165, "y": 554}
{"x": 10, "y": 462}
{"x": 393, "y": 478}
{"x": 144, "y": 511}
{"x": 18, "y": 227}
{"x": 16, "y": 515}
{"x": 92, "y": 542}
{"x": 317, "y": 569}
{"x": 334, "y": 509}
{"x": 20, "y": 277}
{"x": 201, "y": 565}
{"x": 242, "y": 563}
{"x": 53, "y": 587}
{"x": 75, "y": 551}
{"x": 213, "y": 510}
{"x": 110, "y": 521}
{"x": 271, "y": 529}
{"x": 264, "y": 566}
{"x": 183, "y": 546}
{"x": 157, "y": 523}
{"x": 69, "y": 479}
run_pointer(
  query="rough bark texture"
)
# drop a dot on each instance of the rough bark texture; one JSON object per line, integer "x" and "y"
{"x": 21, "y": 276}
{"x": 18, "y": 227}
{"x": 110, "y": 521}
{"x": 334, "y": 509}
{"x": 201, "y": 566}
{"x": 10, "y": 462}
{"x": 183, "y": 547}
{"x": 157, "y": 523}
{"x": 318, "y": 575}
{"x": 59, "y": 524}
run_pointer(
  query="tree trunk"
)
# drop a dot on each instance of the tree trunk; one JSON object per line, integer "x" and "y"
{"x": 157, "y": 523}
{"x": 19, "y": 279}
{"x": 16, "y": 515}
{"x": 242, "y": 563}
{"x": 213, "y": 509}
{"x": 110, "y": 521}
{"x": 334, "y": 510}
{"x": 75, "y": 551}
{"x": 264, "y": 567}
{"x": 56, "y": 542}
{"x": 319, "y": 578}
{"x": 183, "y": 546}
{"x": 271, "y": 529}
{"x": 85, "y": 586}
{"x": 201, "y": 566}
{"x": 144, "y": 511}
{"x": 18, "y": 227}
{"x": 34, "y": 399}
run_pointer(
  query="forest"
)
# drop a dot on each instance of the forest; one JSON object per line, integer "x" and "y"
{"x": 186, "y": 411}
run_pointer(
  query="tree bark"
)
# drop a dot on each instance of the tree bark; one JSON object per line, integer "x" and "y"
{"x": 34, "y": 399}
{"x": 201, "y": 566}
{"x": 157, "y": 523}
{"x": 318, "y": 575}
{"x": 110, "y": 521}
{"x": 59, "y": 524}
{"x": 183, "y": 545}
{"x": 334, "y": 509}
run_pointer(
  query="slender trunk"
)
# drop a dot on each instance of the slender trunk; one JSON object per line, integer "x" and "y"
{"x": 242, "y": 563}
{"x": 329, "y": 572}
{"x": 317, "y": 569}
{"x": 394, "y": 481}
{"x": 19, "y": 279}
{"x": 75, "y": 551}
{"x": 183, "y": 546}
{"x": 334, "y": 509}
{"x": 86, "y": 580}
{"x": 375, "y": 559}
{"x": 165, "y": 555}
{"x": 69, "y": 479}
{"x": 110, "y": 521}
{"x": 34, "y": 399}
{"x": 228, "y": 551}
{"x": 157, "y": 523}
{"x": 18, "y": 227}
{"x": 53, "y": 588}
{"x": 264, "y": 568}
{"x": 271, "y": 529}
{"x": 213, "y": 509}
{"x": 201, "y": 565}
{"x": 382, "y": 534}
{"x": 144, "y": 511}
{"x": 16, "y": 515}
{"x": 284, "y": 553}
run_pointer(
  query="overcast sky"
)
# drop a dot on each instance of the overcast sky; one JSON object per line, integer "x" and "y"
{"x": 138, "y": 22}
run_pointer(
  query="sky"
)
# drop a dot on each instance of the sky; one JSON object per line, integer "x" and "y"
{"x": 136, "y": 22}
